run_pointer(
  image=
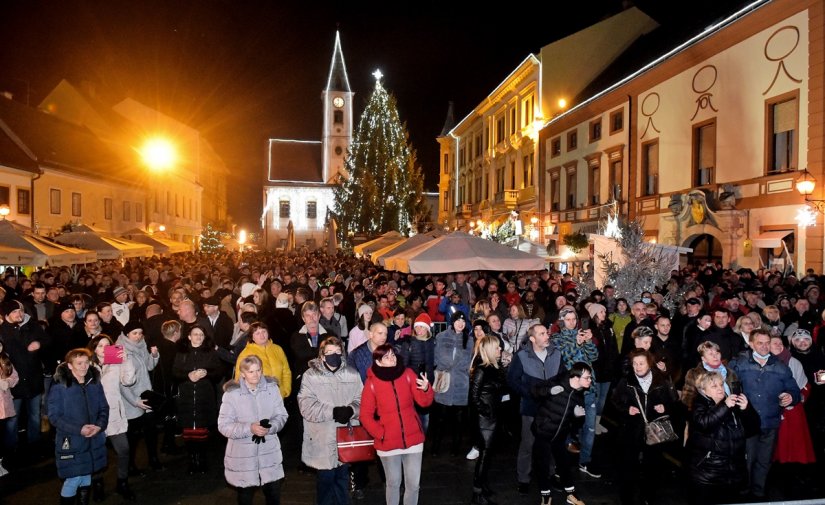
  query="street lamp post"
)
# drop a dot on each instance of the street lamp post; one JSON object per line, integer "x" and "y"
{"x": 806, "y": 184}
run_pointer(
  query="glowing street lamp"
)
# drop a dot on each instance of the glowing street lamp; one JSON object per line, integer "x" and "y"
{"x": 4, "y": 211}
{"x": 806, "y": 184}
{"x": 158, "y": 153}
{"x": 161, "y": 228}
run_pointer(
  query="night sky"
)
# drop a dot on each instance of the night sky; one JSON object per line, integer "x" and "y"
{"x": 242, "y": 71}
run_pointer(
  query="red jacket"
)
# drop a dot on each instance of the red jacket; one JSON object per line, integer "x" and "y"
{"x": 432, "y": 307}
{"x": 397, "y": 425}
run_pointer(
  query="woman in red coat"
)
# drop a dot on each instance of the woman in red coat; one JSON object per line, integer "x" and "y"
{"x": 388, "y": 414}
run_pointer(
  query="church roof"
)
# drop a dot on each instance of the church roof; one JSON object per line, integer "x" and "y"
{"x": 338, "y": 80}
{"x": 295, "y": 161}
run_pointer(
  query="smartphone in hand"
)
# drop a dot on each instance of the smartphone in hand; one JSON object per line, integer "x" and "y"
{"x": 110, "y": 355}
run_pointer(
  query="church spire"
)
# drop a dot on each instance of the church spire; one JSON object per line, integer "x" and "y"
{"x": 338, "y": 80}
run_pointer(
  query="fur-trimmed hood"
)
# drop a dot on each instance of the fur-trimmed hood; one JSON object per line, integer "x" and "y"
{"x": 63, "y": 376}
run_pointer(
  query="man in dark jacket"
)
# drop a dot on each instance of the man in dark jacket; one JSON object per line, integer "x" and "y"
{"x": 770, "y": 387}
{"x": 37, "y": 306}
{"x": 730, "y": 344}
{"x": 22, "y": 339}
{"x": 560, "y": 403}
{"x": 534, "y": 363}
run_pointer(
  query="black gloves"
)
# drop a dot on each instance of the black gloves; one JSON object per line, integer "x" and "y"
{"x": 342, "y": 414}
{"x": 265, "y": 424}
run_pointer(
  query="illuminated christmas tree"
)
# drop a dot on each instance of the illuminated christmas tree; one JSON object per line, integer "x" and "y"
{"x": 384, "y": 187}
{"x": 210, "y": 240}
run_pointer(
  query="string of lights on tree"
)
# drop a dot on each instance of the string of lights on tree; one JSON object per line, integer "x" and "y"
{"x": 211, "y": 240}
{"x": 384, "y": 190}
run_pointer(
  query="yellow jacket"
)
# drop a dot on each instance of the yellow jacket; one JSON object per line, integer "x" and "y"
{"x": 274, "y": 364}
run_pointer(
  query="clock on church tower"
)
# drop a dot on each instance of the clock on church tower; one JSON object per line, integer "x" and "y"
{"x": 338, "y": 102}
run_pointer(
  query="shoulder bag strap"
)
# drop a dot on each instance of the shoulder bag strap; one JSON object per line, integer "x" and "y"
{"x": 641, "y": 407}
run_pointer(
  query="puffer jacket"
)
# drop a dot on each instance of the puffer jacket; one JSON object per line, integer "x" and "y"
{"x": 556, "y": 401}
{"x": 112, "y": 377}
{"x": 321, "y": 391}
{"x": 71, "y": 406}
{"x": 717, "y": 442}
{"x": 418, "y": 355}
{"x": 247, "y": 464}
{"x": 397, "y": 424}
{"x": 451, "y": 356}
{"x": 196, "y": 403}
{"x": 274, "y": 364}
{"x": 144, "y": 363}
{"x": 487, "y": 386}
{"x": 572, "y": 352}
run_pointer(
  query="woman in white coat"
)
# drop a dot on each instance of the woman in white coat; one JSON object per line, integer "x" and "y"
{"x": 330, "y": 396}
{"x": 112, "y": 377}
{"x": 253, "y": 451}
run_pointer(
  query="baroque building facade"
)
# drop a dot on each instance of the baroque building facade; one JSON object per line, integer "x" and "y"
{"x": 705, "y": 144}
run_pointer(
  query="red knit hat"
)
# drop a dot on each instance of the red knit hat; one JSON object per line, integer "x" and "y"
{"x": 423, "y": 320}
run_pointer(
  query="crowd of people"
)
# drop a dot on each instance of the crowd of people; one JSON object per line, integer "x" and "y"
{"x": 721, "y": 372}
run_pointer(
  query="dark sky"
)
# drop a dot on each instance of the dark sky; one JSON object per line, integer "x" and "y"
{"x": 243, "y": 71}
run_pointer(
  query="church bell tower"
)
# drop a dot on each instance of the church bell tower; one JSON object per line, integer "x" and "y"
{"x": 337, "y": 133}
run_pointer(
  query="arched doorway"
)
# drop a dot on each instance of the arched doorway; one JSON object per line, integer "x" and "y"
{"x": 706, "y": 249}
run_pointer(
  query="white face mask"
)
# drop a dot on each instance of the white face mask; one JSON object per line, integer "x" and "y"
{"x": 758, "y": 356}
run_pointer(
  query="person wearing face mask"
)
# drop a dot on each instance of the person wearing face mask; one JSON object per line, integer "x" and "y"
{"x": 330, "y": 396}
{"x": 770, "y": 386}
{"x": 711, "y": 362}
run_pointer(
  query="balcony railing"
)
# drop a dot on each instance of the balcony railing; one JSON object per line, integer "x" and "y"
{"x": 508, "y": 198}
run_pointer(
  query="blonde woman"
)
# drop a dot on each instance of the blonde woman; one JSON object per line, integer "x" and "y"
{"x": 487, "y": 386}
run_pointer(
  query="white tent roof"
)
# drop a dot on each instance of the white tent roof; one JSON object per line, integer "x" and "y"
{"x": 45, "y": 252}
{"x": 161, "y": 245}
{"x": 459, "y": 252}
{"x": 380, "y": 256}
{"x": 13, "y": 256}
{"x": 391, "y": 237}
{"x": 106, "y": 247}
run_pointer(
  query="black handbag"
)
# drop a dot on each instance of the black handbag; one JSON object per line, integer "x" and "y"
{"x": 154, "y": 400}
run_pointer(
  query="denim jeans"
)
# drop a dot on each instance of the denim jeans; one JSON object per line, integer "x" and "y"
{"x": 332, "y": 486}
{"x": 587, "y": 435}
{"x": 71, "y": 484}
{"x": 759, "y": 449}
{"x": 410, "y": 465}
{"x": 32, "y": 422}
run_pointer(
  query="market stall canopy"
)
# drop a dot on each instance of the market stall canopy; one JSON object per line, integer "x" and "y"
{"x": 369, "y": 247}
{"x": 380, "y": 256}
{"x": 44, "y": 252}
{"x": 12, "y": 256}
{"x": 161, "y": 245}
{"x": 458, "y": 252}
{"x": 107, "y": 247}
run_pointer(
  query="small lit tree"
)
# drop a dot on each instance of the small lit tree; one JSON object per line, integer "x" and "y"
{"x": 210, "y": 240}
